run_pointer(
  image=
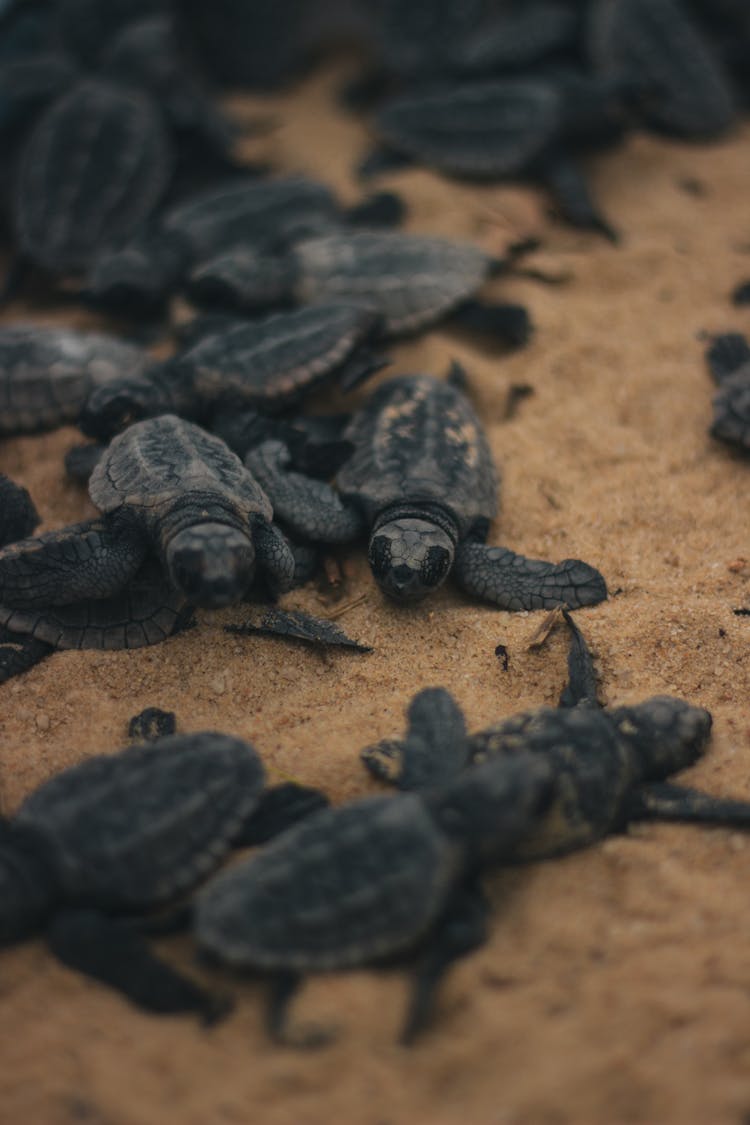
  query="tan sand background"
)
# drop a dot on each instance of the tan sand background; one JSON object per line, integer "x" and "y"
{"x": 616, "y": 984}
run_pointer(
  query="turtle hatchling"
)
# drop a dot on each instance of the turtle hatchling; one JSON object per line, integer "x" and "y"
{"x": 411, "y": 281}
{"x": 370, "y": 880}
{"x": 606, "y": 766}
{"x": 46, "y": 374}
{"x": 422, "y": 484}
{"x": 123, "y": 834}
{"x": 496, "y": 128}
{"x": 164, "y": 485}
{"x": 93, "y": 169}
{"x": 264, "y": 213}
{"x": 729, "y": 361}
{"x": 267, "y": 364}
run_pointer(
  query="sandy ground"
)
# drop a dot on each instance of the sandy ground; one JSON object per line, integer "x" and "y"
{"x": 616, "y": 983}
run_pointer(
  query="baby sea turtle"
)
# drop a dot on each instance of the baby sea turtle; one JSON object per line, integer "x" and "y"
{"x": 422, "y": 484}
{"x": 146, "y": 611}
{"x": 652, "y": 48}
{"x": 46, "y": 374}
{"x": 126, "y": 833}
{"x": 411, "y": 281}
{"x": 370, "y": 880}
{"x": 264, "y": 213}
{"x": 437, "y": 39}
{"x": 496, "y": 128}
{"x": 607, "y": 767}
{"x": 18, "y": 514}
{"x": 92, "y": 171}
{"x": 269, "y": 363}
{"x": 729, "y": 362}
{"x": 164, "y": 485}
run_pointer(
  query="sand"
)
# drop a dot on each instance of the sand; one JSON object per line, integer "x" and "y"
{"x": 615, "y": 986}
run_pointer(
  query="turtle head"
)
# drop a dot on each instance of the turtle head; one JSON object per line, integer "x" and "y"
{"x": 115, "y": 405}
{"x": 211, "y": 564}
{"x": 410, "y": 557}
{"x": 666, "y": 734}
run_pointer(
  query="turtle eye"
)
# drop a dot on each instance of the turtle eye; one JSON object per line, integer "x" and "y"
{"x": 381, "y": 558}
{"x": 435, "y": 566}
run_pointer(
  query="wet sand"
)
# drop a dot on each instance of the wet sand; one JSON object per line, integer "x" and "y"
{"x": 615, "y": 986}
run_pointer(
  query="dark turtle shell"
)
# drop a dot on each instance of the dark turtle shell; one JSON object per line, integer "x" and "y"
{"x": 95, "y": 166}
{"x": 660, "y": 55}
{"x": 46, "y": 374}
{"x": 479, "y": 129}
{"x": 273, "y": 361}
{"x": 247, "y": 210}
{"x": 410, "y": 280}
{"x": 160, "y": 461}
{"x": 133, "y": 829}
{"x": 346, "y": 886}
{"x": 417, "y": 439}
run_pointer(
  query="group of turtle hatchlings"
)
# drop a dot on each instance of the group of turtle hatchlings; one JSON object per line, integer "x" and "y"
{"x": 122, "y": 189}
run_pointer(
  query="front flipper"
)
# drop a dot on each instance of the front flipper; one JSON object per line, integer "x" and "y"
{"x": 146, "y": 612}
{"x": 506, "y": 325}
{"x": 284, "y": 986}
{"x": 84, "y": 560}
{"x": 461, "y": 929}
{"x": 727, "y": 354}
{"x": 19, "y": 653}
{"x": 662, "y": 801}
{"x": 573, "y": 197}
{"x": 275, "y": 556}
{"x": 514, "y": 582}
{"x": 114, "y": 952}
{"x": 436, "y": 747}
{"x": 309, "y": 507}
{"x": 18, "y": 514}
{"x": 296, "y": 625}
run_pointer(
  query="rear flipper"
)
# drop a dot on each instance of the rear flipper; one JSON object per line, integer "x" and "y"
{"x": 114, "y": 952}
{"x": 506, "y": 325}
{"x": 662, "y": 801}
{"x": 310, "y": 508}
{"x": 284, "y": 986}
{"x": 19, "y": 653}
{"x": 461, "y": 929}
{"x": 84, "y": 560}
{"x": 275, "y": 556}
{"x": 514, "y": 582}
